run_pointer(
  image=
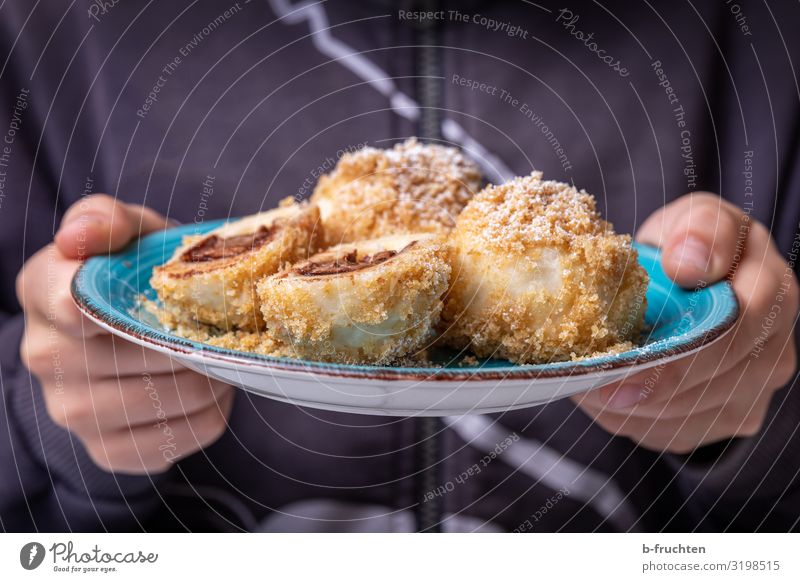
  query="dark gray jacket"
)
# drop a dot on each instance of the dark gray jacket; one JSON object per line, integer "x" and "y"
{"x": 638, "y": 103}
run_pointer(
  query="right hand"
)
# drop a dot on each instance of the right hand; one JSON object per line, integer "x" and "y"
{"x": 135, "y": 411}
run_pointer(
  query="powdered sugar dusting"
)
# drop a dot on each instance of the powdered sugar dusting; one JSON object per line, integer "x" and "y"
{"x": 528, "y": 210}
{"x": 412, "y": 187}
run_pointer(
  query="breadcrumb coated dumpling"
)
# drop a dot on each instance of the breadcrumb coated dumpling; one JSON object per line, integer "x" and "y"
{"x": 211, "y": 279}
{"x": 409, "y": 188}
{"x": 365, "y": 302}
{"x": 538, "y": 276}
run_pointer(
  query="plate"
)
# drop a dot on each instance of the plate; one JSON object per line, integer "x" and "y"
{"x": 107, "y": 289}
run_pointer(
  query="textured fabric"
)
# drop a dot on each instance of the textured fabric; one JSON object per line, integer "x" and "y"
{"x": 260, "y": 105}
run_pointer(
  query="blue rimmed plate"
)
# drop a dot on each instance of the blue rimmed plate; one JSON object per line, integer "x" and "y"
{"x": 107, "y": 289}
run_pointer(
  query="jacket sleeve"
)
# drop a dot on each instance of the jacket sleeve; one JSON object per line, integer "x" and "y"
{"x": 750, "y": 484}
{"x": 47, "y": 481}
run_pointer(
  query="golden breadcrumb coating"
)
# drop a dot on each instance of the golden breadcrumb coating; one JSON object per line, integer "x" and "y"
{"x": 211, "y": 278}
{"x": 406, "y": 189}
{"x": 539, "y": 276}
{"x": 367, "y": 302}
{"x": 257, "y": 342}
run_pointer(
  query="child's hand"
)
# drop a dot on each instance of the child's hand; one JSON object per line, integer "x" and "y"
{"x": 134, "y": 410}
{"x": 722, "y": 391}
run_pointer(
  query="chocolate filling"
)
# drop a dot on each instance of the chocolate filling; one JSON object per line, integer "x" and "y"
{"x": 215, "y": 247}
{"x": 346, "y": 263}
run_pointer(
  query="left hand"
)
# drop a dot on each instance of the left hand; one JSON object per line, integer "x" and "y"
{"x": 724, "y": 390}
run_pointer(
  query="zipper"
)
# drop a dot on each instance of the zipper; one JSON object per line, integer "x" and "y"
{"x": 429, "y": 73}
{"x": 428, "y": 430}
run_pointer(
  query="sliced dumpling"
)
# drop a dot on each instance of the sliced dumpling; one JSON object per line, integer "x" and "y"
{"x": 365, "y": 302}
{"x": 211, "y": 278}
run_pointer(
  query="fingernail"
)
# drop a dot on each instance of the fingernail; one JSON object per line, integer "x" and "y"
{"x": 625, "y": 396}
{"x": 692, "y": 253}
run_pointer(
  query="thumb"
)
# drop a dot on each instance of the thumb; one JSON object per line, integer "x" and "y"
{"x": 101, "y": 224}
{"x": 699, "y": 236}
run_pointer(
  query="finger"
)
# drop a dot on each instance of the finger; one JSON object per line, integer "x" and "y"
{"x": 43, "y": 285}
{"x": 683, "y": 435}
{"x": 147, "y": 220}
{"x": 185, "y": 397}
{"x": 134, "y": 401}
{"x": 745, "y": 382}
{"x": 699, "y": 234}
{"x": 43, "y": 290}
{"x": 154, "y": 448}
{"x": 664, "y": 381}
{"x": 100, "y": 224}
{"x": 758, "y": 286}
{"x": 96, "y": 358}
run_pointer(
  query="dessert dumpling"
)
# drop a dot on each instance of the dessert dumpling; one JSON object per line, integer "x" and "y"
{"x": 539, "y": 276}
{"x": 211, "y": 278}
{"x": 365, "y": 302}
{"x": 409, "y": 188}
